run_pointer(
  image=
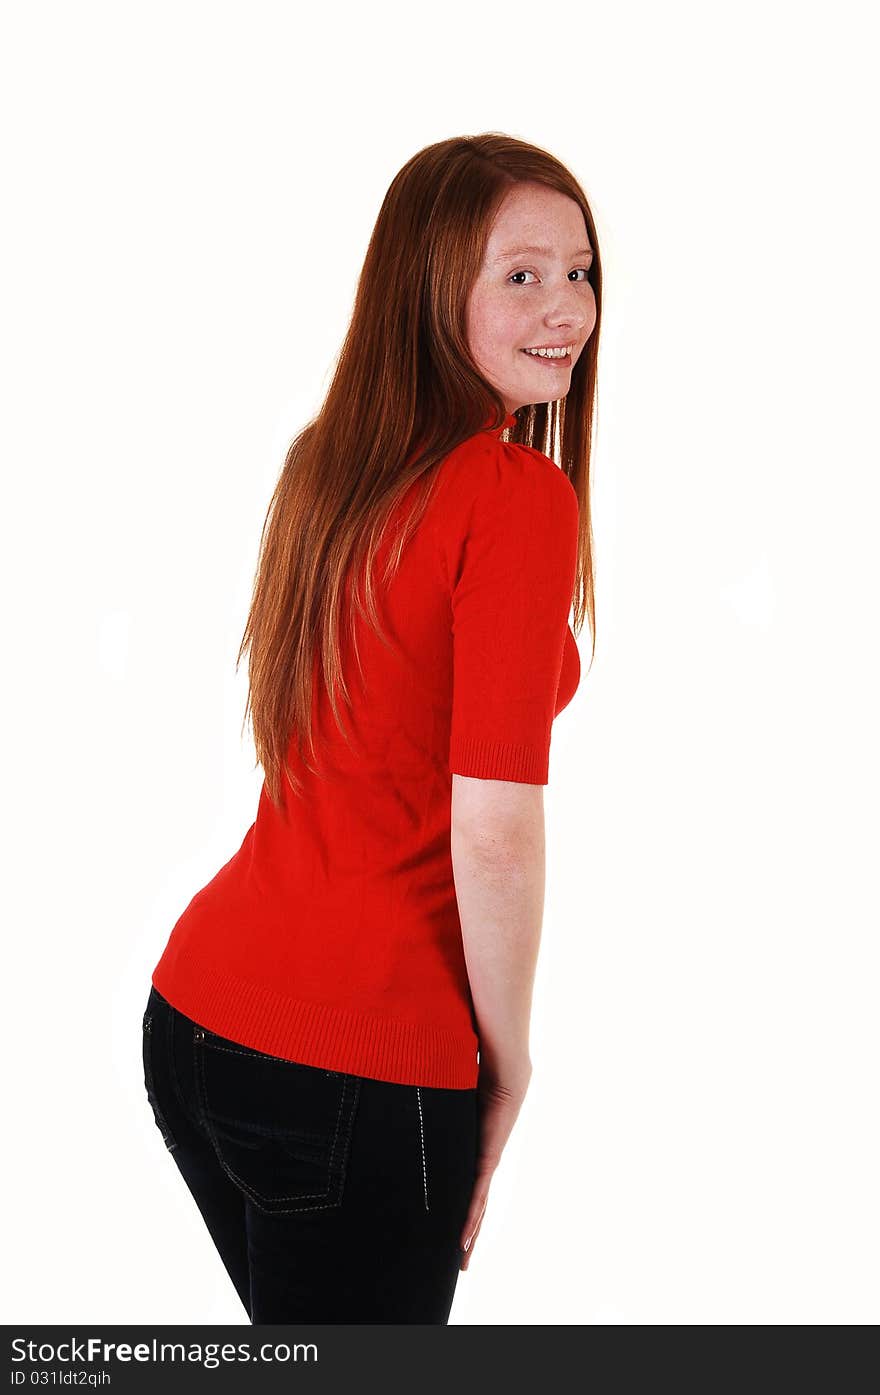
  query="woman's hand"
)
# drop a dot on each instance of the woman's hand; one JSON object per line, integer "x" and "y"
{"x": 499, "y": 1101}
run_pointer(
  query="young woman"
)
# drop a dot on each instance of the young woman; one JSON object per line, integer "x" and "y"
{"x": 336, "y": 1041}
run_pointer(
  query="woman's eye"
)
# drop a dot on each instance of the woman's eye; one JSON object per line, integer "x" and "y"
{"x": 584, "y": 269}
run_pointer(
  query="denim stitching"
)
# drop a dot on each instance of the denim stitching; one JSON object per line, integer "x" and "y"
{"x": 253, "y": 1052}
{"x": 172, "y": 1064}
{"x": 147, "y": 1038}
{"x": 254, "y": 1195}
{"x": 347, "y": 1080}
{"x": 422, "y": 1133}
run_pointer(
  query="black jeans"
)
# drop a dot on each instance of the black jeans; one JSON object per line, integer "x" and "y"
{"x": 331, "y": 1198}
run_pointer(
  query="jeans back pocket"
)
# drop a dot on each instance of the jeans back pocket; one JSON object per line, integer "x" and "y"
{"x": 281, "y": 1130}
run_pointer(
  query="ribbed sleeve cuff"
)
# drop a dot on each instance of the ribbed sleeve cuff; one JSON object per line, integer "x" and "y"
{"x": 499, "y": 760}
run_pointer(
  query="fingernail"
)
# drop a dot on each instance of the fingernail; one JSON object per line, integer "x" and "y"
{"x": 468, "y": 1241}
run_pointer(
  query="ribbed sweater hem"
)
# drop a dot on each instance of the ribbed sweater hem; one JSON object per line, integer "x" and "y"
{"x": 317, "y": 1034}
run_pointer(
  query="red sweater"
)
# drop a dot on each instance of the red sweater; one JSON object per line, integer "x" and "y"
{"x": 332, "y": 936}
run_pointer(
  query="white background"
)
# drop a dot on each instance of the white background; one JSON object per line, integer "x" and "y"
{"x": 189, "y": 193}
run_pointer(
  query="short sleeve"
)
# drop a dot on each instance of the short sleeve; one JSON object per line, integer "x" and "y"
{"x": 511, "y": 598}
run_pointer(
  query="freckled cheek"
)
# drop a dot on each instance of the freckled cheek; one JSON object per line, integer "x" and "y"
{"x": 499, "y": 333}
{"x": 511, "y": 339}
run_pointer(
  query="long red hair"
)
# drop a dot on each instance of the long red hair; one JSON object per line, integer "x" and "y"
{"x": 405, "y": 393}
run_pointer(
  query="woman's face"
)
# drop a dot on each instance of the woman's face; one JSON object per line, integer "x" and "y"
{"x": 532, "y": 292}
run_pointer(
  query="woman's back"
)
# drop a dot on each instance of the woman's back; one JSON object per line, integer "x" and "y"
{"x": 332, "y": 937}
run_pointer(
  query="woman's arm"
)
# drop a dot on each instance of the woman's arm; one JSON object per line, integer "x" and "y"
{"x": 498, "y": 865}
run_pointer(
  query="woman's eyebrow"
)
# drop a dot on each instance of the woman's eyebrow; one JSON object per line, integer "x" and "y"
{"x": 538, "y": 251}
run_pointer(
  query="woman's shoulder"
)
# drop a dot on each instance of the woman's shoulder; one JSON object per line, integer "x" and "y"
{"x": 483, "y": 464}
{"x": 501, "y": 504}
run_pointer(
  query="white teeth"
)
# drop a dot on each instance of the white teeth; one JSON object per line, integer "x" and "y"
{"x": 550, "y": 353}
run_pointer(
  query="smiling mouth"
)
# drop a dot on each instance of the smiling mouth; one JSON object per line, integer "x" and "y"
{"x": 563, "y": 359}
